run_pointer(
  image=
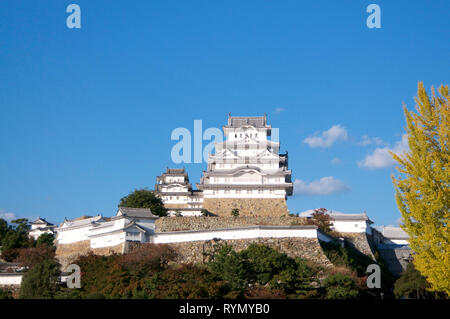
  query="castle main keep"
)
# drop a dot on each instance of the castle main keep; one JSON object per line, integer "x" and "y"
{"x": 245, "y": 172}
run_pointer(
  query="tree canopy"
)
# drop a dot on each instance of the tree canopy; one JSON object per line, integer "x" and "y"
{"x": 422, "y": 188}
{"x": 411, "y": 284}
{"x": 144, "y": 198}
{"x": 41, "y": 281}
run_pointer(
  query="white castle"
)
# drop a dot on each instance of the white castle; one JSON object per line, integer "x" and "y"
{"x": 246, "y": 172}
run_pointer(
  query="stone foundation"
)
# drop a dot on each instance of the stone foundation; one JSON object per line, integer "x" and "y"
{"x": 170, "y": 224}
{"x": 247, "y": 206}
{"x": 67, "y": 253}
{"x": 200, "y": 251}
{"x": 360, "y": 242}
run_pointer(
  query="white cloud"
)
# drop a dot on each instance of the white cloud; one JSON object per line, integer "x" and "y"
{"x": 7, "y": 216}
{"x": 366, "y": 140}
{"x": 381, "y": 158}
{"x": 279, "y": 109}
{"x": 326, "y": 139}
{"x": 336, "y": 161}
{"x": 325, "y": 186}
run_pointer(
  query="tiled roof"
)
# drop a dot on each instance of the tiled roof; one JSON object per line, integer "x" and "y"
{"x": 239, "y": 121}
{"x": 136, "y": 212}
{"x": 394, "y": 232}
{"x": 82, "y": 221}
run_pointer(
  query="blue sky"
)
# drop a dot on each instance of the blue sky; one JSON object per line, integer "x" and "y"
{"x": 87, "y": 114}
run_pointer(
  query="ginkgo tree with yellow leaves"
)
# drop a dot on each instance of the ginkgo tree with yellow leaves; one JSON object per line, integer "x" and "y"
{"x": 422, "y": 185}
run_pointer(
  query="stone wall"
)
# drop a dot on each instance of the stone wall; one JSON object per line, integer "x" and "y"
{"x": 67, "y": 253}
{"x": 247, "y": 206}
{"x": 200, "y": 251}
{"x": 359, "y": 241}
{"x": 170, "y": 224}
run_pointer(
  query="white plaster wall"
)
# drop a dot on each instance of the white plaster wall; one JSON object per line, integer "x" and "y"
{"x": 233, "y": 193}
{"x": 350, "y": 226}
{"x": 10, "y": 279}
{"x": 37, "y": 232}
{"x": 108, "y": 240}
{"x": 175, "y": 237}
{"x": 73, "y": 235}
{"x": 147, "y": 224}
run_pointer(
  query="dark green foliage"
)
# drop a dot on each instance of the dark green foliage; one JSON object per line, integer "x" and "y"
{"x": 29, "y": 257}
{"x": 95, "y": 295}
{"x": 356, "y": 261}
{"x": 229, "y": 266}
{"x": 68, "y": 293}
{"x": 266, "y": 262}
{"x": 183, "y": 282}
{"x": 322, "y": 220}
{"x": 235, "y": 212}
{"x": 21, "y": 224}
{"x": 3, "y": 229}
{"x": 345, "y": 256}
{"x": 143, "y": 198}
{"x": 261, "y": 266}
{"x": 412, "y": 284}
{"x": 205, "y": 212}
{"x": 5, "y": 294}
{"x": 122, "y": 276}
{"x": 14, "y": 236}
{"x": 340, "y": 286}
{"x": 45, "y": 239}
{"x": 41, "y": 281}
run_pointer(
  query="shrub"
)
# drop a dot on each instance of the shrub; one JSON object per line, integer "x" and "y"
{"x": 340, "y": 286}
{"x": 41, "y": 281}
{"x": 29, "y": 257}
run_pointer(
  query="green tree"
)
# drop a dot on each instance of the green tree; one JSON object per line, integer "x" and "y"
{"x": 411, "y": 284}
{"x": 235, "y": 212}
{"x": 183, "y": 281}
{"x": 422, "y": 189}
{"x": 340, "y": 286}
{"x": 5, "y": 294}
{"x": 16, "y": 236}
{"x": 143, "y": 198}
{"x": 30, "y": 257}
{"x": 266, "y": 262}
{"x": 205, "y": 212}
{"x": 262, "y": 266}
{"x": 45, "y": 239}
{"x": 3, "y": 229}
{"x": 41, "y": 281}
{"x": 21, "y": 225}
{"x": 229, "y": 266}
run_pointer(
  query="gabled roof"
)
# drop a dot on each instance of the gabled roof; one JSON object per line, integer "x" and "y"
{"x": 135, "y": 212}
{"x": 339, "y": 216}
{"x": 394, "y": 233}
{"x": 40, "y": 221}
{"x": 81, "y": 221}
{"x": 255, "y": 121}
